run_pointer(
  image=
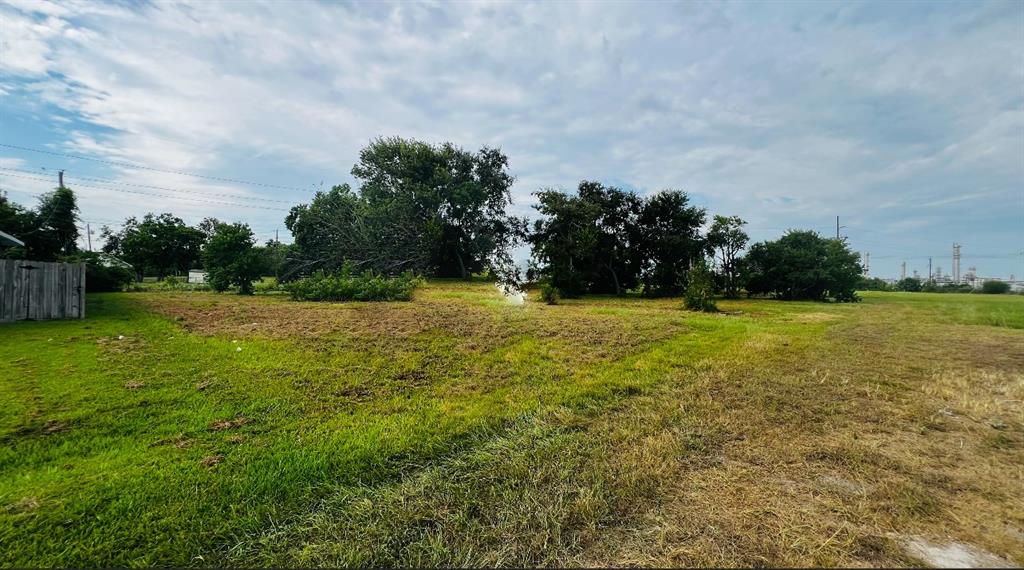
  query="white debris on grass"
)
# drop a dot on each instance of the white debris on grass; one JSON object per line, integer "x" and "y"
{"x": 120, "y": 337}
{"x": 512, "y": 295}
{"x": 238, "y": 349}
{"x": 953, "y": 554}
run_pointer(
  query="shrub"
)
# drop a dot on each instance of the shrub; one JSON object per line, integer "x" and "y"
{"x": 267, "y": 285}
{"x": 911, "y": 284}
{"x": 873, "y": 284}
{"x": 549, "y": 293}
{"x": 803, "y": 265}
{"x": 349, "y": 286}
{"x": 995, "y": 287}
{"x": 171, "y": 283}
{"x": 102, "y": 272}
{"x": 700, "y": 289}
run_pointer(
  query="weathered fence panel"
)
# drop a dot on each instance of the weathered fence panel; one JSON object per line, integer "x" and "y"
{"x": 40, "y": 290}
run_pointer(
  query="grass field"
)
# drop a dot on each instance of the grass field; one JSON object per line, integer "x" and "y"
{"x": 195, "y": 429}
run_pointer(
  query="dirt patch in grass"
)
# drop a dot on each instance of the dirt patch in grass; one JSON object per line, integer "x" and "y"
{"x": 23, "y": 505}
{"x": 221, "y": 425}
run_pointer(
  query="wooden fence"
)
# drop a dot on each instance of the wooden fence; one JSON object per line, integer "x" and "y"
{"x": 38, "y": 290}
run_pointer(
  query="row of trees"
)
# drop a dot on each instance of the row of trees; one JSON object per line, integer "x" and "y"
{"x": 917, "y": 284}
{"x": 439, "y": 210}
{"x": 158, "y": 245}
{"x": 164, "y": 244}
{"x": 607, "y": 240}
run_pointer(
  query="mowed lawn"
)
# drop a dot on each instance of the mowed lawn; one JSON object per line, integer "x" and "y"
{"x": 199, "y": 429}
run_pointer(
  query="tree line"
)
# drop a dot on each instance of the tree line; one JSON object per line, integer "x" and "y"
{"x": 438, "y": 210}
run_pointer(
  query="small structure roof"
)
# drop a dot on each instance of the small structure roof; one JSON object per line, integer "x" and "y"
{"x": 9, "y": 240}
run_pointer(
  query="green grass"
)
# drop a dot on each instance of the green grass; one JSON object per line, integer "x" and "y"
{"x": 453, "y": 430}
{"x": 963, "y": 308}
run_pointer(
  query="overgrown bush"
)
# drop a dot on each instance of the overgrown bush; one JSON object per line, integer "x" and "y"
{"x": 700, "y": 289}
{"x": 347, "y": 285}
{"x": 102, "y": 273}
{"x": 803, "y": 265}
{"x": 995, "y": 287}
{"x": 171, "y": 283}
{"x": 873, "y": 284}
{"x": 267, "y": 285}
{"x": 933, "y": 287}
{"x": 549, "y": 293}
{"x": 174, "y": 283}
{"x": 909, "y": 284}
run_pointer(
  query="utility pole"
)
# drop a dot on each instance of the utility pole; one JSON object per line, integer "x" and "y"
{"x": 956, "y": 263}
{"x": 88, "y": 235}
{"x": 903, "y": 270}
{"x": 867, "y": 263}
{"x": 275, "y": 236}
{"x": 929, "y": 269}
{"x": 60, "y": 179}
{"x": 837, "y": 227}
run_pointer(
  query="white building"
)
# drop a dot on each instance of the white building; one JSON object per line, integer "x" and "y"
{"x": 196, "y": 276}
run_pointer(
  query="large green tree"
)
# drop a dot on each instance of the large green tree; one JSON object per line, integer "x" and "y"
{"x": 337, "y": 226}
{"x": 803, "y": 265}
{"x": 582, "y": 242}
{"x": 668, "y": 242}
{"x": 607, "y": 240}
{"x": 433, "y": 209}
{"x": 230, "y": 259}
{"x": 58, "y": 223}
{"x": 161, "y": 245}
{"x": 49, "y": 232}
{"x": 727, "y": 239}
{"x": 448, "y": 201}
{"x": 564, "y": 242}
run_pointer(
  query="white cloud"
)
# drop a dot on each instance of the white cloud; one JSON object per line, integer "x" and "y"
{"x": 783, "y": 113}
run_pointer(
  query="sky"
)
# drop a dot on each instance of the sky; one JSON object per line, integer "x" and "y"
{"x": 905, "y": 119}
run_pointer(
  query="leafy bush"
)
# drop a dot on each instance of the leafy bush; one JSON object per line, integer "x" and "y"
{"x": 911, "y": 284}
{"x": 102, "y": 273}
{"x": 230, "y": 260}
{"x": 173, "y": 283}
{"x": 267, "y": 285}
{"x": 549, "y": 293}
{"x": 995, "y": 287}
{"x": 700, "y": 289}
{"x": 873, "y": 284}
{"x": 349, "y": 286}
{"x": 803, "y": 265}
{"x": 933, "y": 287}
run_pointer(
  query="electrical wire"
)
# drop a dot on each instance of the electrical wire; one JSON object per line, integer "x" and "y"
{"x": 153, "y": 169}
{"x": 157, "y": 195}
{"x": 164, "y": 188}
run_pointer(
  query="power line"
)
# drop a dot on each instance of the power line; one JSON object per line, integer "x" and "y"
{"x": 165, "y": 188}
{"x": 159, "y": 195}
{"x": 152, "y": 169}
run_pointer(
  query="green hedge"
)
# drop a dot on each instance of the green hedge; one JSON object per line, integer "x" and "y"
{"x": 349, "y": 286}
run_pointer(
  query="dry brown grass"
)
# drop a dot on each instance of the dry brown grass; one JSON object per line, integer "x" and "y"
{"x": 836, "y": 452}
